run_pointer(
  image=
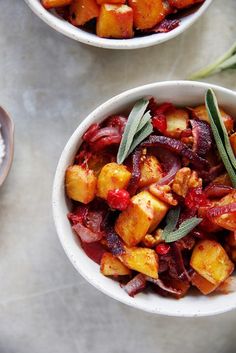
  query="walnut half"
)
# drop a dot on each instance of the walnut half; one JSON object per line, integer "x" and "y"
{"x": 184, "y": 180}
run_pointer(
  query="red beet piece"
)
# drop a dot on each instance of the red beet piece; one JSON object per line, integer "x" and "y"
{"x": 94, "y": 251}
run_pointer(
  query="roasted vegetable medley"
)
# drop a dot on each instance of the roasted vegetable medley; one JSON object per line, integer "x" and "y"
{"x": 154, "y": 198}
{"x": 122, "y": 19}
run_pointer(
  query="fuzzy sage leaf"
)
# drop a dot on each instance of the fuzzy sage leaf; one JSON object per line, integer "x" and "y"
{"x": 135, "y": 124}
{"x": 221, "y": 136}
{"x": 183, "y": 230}
{"x": 225, "y": 62}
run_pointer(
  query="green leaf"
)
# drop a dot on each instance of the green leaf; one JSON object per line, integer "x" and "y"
{"x": 216, "y": 116}
{"x": 224, "y": 62}
{"x": 144, "y": 120}
{"x": 183, "y": 230}
{"x": 171, "y": 221}
{"x": 219, "y": 136}
{"x": 131, "y": 127}
{"x": 141, "y": 135}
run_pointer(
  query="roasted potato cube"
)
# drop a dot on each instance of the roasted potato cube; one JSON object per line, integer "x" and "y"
{"x": 203, "y": 284}
{"x": 143, "y": 214}
{"x": 227, "y": 220}
{"x": 177, "y": 121}
{"x": 210, "y": 260}
{"x": 233, "y": 142}
{"x": 49, "y": 4}
{"x": 181, "y": 4}
{"x": 112, "y": 176}
{"x": 147, "y": 13}
{"x": 201, "y": 113}
{"x": 151, "y": 171}
{"x": 112, "y": 266}
{"x": 82, "y": 11}
{"x": 118, "y": 2}
{"x": 141, "y": 260}
{"x": 115, "y": 21}
{"x": 80, "y": 184}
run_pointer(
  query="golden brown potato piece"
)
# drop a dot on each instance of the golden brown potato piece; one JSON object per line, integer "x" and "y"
{"x": 143, "y": 214}
{"x": 201, "y": 113}
{"x": 82, "y": 11}
{"x": 177, "y": 121}
{"x": 227, "y": 220}
{"x": 115, "y": 21}
{"x": 49, "y": 4}
{"x": 147, "y": 13}
{"x": 112, "y": 176}
{"x": 203, "y": 284}
{"x": 141, "y": 260}
{"x": 233, "y": 142}
{"x": 116, "y": 2}
{"x": 151, "y": 171}
{"x": 80, "y": 184}
{"x": 210, "y": 260}
{"x": 181, "y": 4}
{"x": 112, "y": 266}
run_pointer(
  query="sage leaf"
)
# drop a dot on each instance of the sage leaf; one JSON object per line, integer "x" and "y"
{"x": 183, "y": 230}
{"x": 216, "y": 116}
{"x": 224, "y": 62}
{"x": 144, "y": 120}
{"x": 171, "y": 221}
{"x": 131, "y": 127}
{"x": 140, "y": 136}
{"x": 227, "y": 158}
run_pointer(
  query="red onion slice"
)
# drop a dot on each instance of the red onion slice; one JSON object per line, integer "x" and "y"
{"x": 221, "y": 210}
{"x": 164, "y": 286}
{"x": 202, "y": 137}
{"x": 177, "y": 147}
{"x": 217, "y": 191}
{"x": 135, "y": 285}
{"x": 86, "y": 235}
{"x": 136, "y": 172}
{"x": 171, "y": 163}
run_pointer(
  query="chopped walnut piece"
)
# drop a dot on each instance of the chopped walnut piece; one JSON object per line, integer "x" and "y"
{"x": 185, "y": 179}
{"x": 152, "y": 240}
{"x": 163, "y": 193}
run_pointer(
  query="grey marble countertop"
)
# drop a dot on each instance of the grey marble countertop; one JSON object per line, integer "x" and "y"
{"x": 49, "y": 84}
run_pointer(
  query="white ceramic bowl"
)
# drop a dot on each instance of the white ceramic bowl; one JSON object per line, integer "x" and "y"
{"x": 83, "y": 36}
{"x": 178, "y": 92}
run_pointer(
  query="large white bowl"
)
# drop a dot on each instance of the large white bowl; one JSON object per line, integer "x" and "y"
{"x": 178, "y": 92}
{"x": 83, "y": 36}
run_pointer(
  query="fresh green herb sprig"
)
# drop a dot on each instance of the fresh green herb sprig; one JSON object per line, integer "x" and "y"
{"x": 220, "y": 135}
{"x": 225, "y": 62}
{"x": 137, "y": 129}
{"x": 170, "y": 233}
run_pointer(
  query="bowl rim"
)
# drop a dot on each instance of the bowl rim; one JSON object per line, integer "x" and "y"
{"x": 82, "y": 36}
{"x": 10, "y": 146}
{"x": 59, "y": 174}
